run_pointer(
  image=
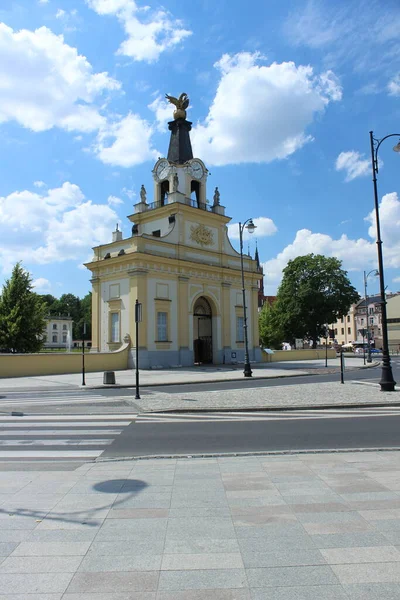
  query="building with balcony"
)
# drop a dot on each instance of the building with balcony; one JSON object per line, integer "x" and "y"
{"x": 181, "y": 267}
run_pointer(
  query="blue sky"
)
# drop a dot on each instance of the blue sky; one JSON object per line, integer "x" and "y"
{"x": 283, "y": 96}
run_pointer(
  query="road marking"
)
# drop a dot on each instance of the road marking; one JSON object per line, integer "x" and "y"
{"x": 55, "y": 442}
{"x": 50, "y": 455}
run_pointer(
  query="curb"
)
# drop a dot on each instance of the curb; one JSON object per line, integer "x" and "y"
{"x": 242, "y": 454}
{"x": 278, "y": 408}
{"x": 115, "y": 386}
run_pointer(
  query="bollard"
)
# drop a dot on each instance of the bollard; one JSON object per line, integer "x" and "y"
{"x": 109, "y": 377}
{"x": 341, "y": 367}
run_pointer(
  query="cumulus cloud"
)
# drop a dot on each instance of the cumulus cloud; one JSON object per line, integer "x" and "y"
{"x": 357, "y": 255}
{"x": 261, "y": 112}
{"x": 41, "y": 285}
{"x": 394, "y": 86}
{"x": 126, "y": 142}
{"x": 264, "y": 227}
{"x": 51, "y": 226}
{"x": 353, "y": 164}
{"x": 149, "y": 33}
{"x": 45, "y": 83}
{"x": 114, "y": 200}
{"x": 162, "y": 111}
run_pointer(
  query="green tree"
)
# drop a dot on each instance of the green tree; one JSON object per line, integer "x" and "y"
{"x": 271, "y": 334}
{"x": 85, "y": 317}
{"x": 68, "y": 304}
{"x": 314, "y": 291}
{"x": 22, "y": 314}
{"x": 49, "y": 300}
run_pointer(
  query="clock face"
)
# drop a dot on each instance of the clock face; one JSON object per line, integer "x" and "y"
{"x": 196, "y": 169}
{"x": 162, "y": 170}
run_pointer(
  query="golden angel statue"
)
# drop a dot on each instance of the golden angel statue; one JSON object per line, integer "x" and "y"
{"x": 181, "y": 104}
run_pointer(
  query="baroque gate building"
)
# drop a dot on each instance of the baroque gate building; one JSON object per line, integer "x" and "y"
{"x": 181, "y": 266}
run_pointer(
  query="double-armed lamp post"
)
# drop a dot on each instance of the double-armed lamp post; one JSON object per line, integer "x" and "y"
{"x": 249, "y": 225}
{"x": 366, "y": 275}
{"x": 387, "y": 382}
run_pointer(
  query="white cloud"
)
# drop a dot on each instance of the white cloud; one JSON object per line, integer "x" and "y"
{"x": 396, "y": 280}
{"x": 60, "y": 14}
{"x": 129, "y": 193}
{"x": 39, "y": 184}
{"x": 126, "y": 142}
{"x": 148, "y": 33}
{"x": 394, "y": 86}
{"x": 163, "y": 112}
{"x": 41, "y": 285}
{"x": 389, "y": 216}
{"x": 353, "y": 164}
{"x": 46, "y": 83}
{"x": 261, "y": 112}
{"x": 52, "y": 226}
{"x": 114, "y": 200}
{"x": 43, "y": 1}
{"x": 357, "y": 255}
{"x": 264, "y": 227}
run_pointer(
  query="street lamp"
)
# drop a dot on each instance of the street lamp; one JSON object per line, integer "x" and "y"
{"x": 376, "y": 274}
{"x": 387, "y": 381}
{"x": 250, "y": 228}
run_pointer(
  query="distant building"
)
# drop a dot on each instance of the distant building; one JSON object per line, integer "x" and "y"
{"x": 369, "y": 316}
{"x": 58, "y": 331}
{"x": 393, "y": 321}
{"x": 344, "y": 328}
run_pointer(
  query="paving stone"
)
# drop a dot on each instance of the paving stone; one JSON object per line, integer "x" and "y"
{"x": 109, "y": 596}
{"x": 204, "y": 579}
{"x": 361, "y": 555}
{"x": 7, "y": 547}
{"x": 31, "y": 596}
{"x": 52, "y": 549}
{"x": 201, "y": 546}
{"x": 133, "y": 581}
{"x": 332, "y": 528}
{"x": 287, "y": 558}
{"x": 368, "y": 573}
{"x": 201, "y": 527}
{"x": 179, "y": 562}
{"x": 291, "y": 576}
{"x": 317, "y": 592}
{"x": 349, "y": 540}
{"x": 37, "y": 564}
{"x": 33, "y": 583}
{"x": 138, "y": 513}
{"x": 236, "y": 594}
{"x": 127, "y": 547}
{"x": 94, "y": 562}
{"x": 372, "y": 591}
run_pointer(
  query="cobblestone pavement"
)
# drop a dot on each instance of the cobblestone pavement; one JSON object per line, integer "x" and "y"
{"x": 301, "y": 527}
{"x": 295, "y": 396}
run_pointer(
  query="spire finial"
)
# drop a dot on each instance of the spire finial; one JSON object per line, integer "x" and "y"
{"x": 181, "y": 104}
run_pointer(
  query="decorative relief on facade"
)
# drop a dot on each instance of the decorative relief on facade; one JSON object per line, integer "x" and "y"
{"x": 201, "y": 235}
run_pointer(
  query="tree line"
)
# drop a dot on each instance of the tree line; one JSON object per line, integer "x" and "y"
{"x": 23, "y": 313}
{"x": 314, "y": 292}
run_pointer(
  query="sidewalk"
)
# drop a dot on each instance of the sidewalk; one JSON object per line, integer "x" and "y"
{"x": 179, "y": 375}
{"x": 301, "y": 527}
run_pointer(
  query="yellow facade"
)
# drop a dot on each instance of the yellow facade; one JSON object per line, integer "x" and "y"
{"x": 180, "y": 265}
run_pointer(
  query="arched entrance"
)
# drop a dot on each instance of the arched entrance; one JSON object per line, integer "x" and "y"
{"x": 202, "y": 331}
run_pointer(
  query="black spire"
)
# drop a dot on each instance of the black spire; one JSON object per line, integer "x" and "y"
{"x": 256, "y": 257}
{"x": 180, "y": 147}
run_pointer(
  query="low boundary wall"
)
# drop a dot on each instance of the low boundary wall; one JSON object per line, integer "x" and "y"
{"x": 308, "y": 354}
{"x": 62, "y": 363}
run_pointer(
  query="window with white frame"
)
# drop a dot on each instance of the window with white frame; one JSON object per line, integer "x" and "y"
{"x": 162, "y": 327}
{"x": 64, "y": 328}
{"x": 54, "y": 325}
{"x": 114, "y": 327}
{"x": 55, "y": 340}
{"x": 64, "y": 339}
{"x": 239, "y": 329}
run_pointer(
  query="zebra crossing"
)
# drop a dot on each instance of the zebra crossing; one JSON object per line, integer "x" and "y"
{"x": 279, "y": 415}
{"x": 59, "y": 437}
{"x": 44, "y": 398}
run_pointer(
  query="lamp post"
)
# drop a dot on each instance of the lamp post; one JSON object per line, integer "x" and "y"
{"x": 376, "y": 273}
{"x": 387, "y": 382}
{"x": 250, "y": 228}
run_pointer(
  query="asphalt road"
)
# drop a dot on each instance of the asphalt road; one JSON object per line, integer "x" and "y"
{"x": 274, "y": 434}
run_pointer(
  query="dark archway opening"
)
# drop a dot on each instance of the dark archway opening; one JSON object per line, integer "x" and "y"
{"x": 202, "y": 332}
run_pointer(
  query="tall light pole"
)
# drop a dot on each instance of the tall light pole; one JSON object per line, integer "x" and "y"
{"x": 387, "y": 381}
{"x": 250, "y": 228}
{"x": 366, "y": 275}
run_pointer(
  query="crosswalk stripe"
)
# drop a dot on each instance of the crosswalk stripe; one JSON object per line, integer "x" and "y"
{"x": 268, "y": 416}
{"x": 59, "y": 438}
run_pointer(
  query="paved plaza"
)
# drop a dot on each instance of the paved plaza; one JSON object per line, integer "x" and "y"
{"x": 322, "y": 526}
